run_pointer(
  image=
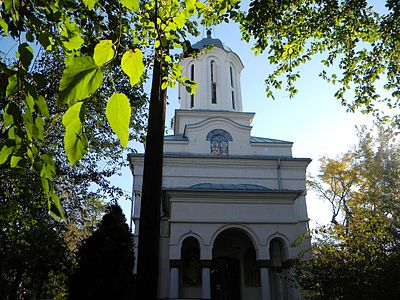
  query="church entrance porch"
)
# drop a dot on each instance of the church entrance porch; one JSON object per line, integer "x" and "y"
{"x": 234, "y": 271}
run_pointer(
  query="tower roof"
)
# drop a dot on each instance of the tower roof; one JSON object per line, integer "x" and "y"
{"x": 209, "y": 41}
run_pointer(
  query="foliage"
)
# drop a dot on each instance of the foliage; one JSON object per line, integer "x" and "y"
{"x": 91, "y": 37}
{"x": 31, "y": 242}
{"x": 55, "y": 26}
{"x": 36, "y": 252}
{"x": 105, "y": 261}
{"x": 358, "y": 255}
{"x": 359, "y": 39}
{"x": 81, "y": 188}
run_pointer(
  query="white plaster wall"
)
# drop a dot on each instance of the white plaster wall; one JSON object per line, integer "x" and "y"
{"x": 197, "y": 125}
{"x": 163, "y": 278}
{"x": 183, "y": 172}
{"x": 260, "y": 234}
{"x": 184, "y": 118}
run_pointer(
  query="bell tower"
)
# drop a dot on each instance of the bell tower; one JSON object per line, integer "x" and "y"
{"x": 217, "y": 73}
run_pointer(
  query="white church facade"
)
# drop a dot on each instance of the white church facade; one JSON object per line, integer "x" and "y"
{"x": 233, "y": 204}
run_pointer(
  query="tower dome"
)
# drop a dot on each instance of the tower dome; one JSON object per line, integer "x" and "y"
{"x": 217, "y": 72}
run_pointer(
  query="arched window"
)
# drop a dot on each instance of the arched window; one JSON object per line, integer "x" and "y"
{"x": 232, "y": 86}
{"x": 213, "y": 75}
{"x": 231, "y": 75}
{"x": 277, "y": 273}
{"x": 219, "y": 140}
{"x": 233, "y": 99}
{"x": 191, "y": 268}
{"x": 192, "y": 78}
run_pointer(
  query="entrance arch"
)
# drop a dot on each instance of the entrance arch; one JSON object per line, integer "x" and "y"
{"x": 234, "y": 272}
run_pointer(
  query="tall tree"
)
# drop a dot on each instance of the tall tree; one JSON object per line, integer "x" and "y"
{"x": 358, "y": 255}
{"x": 105, "y": 261}
{"x": 359, "y": 38}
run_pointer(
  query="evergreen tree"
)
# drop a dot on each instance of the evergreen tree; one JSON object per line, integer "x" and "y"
{"x": 105, "y": 261}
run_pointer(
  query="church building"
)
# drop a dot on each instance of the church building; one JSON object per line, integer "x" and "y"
{"x": 233, "y": 204}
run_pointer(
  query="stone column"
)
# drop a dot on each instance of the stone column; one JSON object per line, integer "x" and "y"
{"x": 205, "y": 278}
{"x": 264, "y": 278}
{"x": 174, "y": 279}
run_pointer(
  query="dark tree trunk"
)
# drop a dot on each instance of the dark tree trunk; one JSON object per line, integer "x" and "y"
{"x": 149, "y": 225}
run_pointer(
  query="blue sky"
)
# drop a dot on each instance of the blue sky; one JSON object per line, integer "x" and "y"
{"x": 314, "y": 120}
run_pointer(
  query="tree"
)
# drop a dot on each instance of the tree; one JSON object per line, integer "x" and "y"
{"x": 35, "y": 250}
{"x": 158, "y": 27}
{"x": 31, "y": 243}
{"x": 358, "y": 255}
{"x": 361, "y": 40}
{"x": 105, "y": 261}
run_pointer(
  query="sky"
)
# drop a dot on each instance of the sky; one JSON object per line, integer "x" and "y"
{"x": 313, "y": 120}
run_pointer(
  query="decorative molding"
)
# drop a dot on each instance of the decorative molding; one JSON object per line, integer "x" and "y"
{"x": 264, "y": 263}
{"x": 205, "y": 263}
{"x": 175, "y": 263}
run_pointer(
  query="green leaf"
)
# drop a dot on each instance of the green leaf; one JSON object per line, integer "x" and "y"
{"x": 12, "y": 86}
{"x": 70, "y": 33}
{"x": 118, "y": 112}
{"x": 25, "y": 54}
{"x": 8, "y": 119}
{"x": 48, "y": 168}
{"x": 75, "y": 142}
{"x": 200, "y": 5}
{"x": 30, "y": 103}
{"x": 11, "y": 114}
{"x": 80, "y": 79}
{"x": 131, "y": 4}
{"x": 39, "y": 123}
{"x": 191, "y": 6}
{"x": 179, "y": 21}
{"x": 103, "y": 52}
{"x": 132, "y": 65}
{"x": 45, "y": 185}
{"x": 5, "y": 153}
{"x": 73, "y": 43}
{"x": 8, "y": 4}
{"x": 45, "y": 40}
{"x": 14, "y": 161}
{"x": 56, "y": 211}
{"x": 4, "y": 25}
{"x": 42, "y": 105}
{"x": 90, "y": 3}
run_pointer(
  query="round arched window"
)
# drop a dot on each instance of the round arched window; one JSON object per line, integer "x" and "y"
{"x": 219, "y": 140}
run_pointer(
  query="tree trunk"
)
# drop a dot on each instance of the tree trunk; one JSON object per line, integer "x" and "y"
{"x": 149, "y": 225}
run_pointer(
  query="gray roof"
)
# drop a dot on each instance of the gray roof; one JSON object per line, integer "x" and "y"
{"x": 175, "y": 137}
{"x": 210, "y": 42}
{"x": 253, "y": 139}
{"x": 256, "y": 139}
{"x": 229, "y": 187}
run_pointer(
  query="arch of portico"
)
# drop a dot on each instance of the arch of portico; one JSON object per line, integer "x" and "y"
{"x": 207, "y": 242}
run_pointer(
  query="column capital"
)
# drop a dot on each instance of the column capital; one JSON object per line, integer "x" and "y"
{"x": 175, "y": 263}
{"x": 206, "y": 263}
{"x": 264, "y": 263}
